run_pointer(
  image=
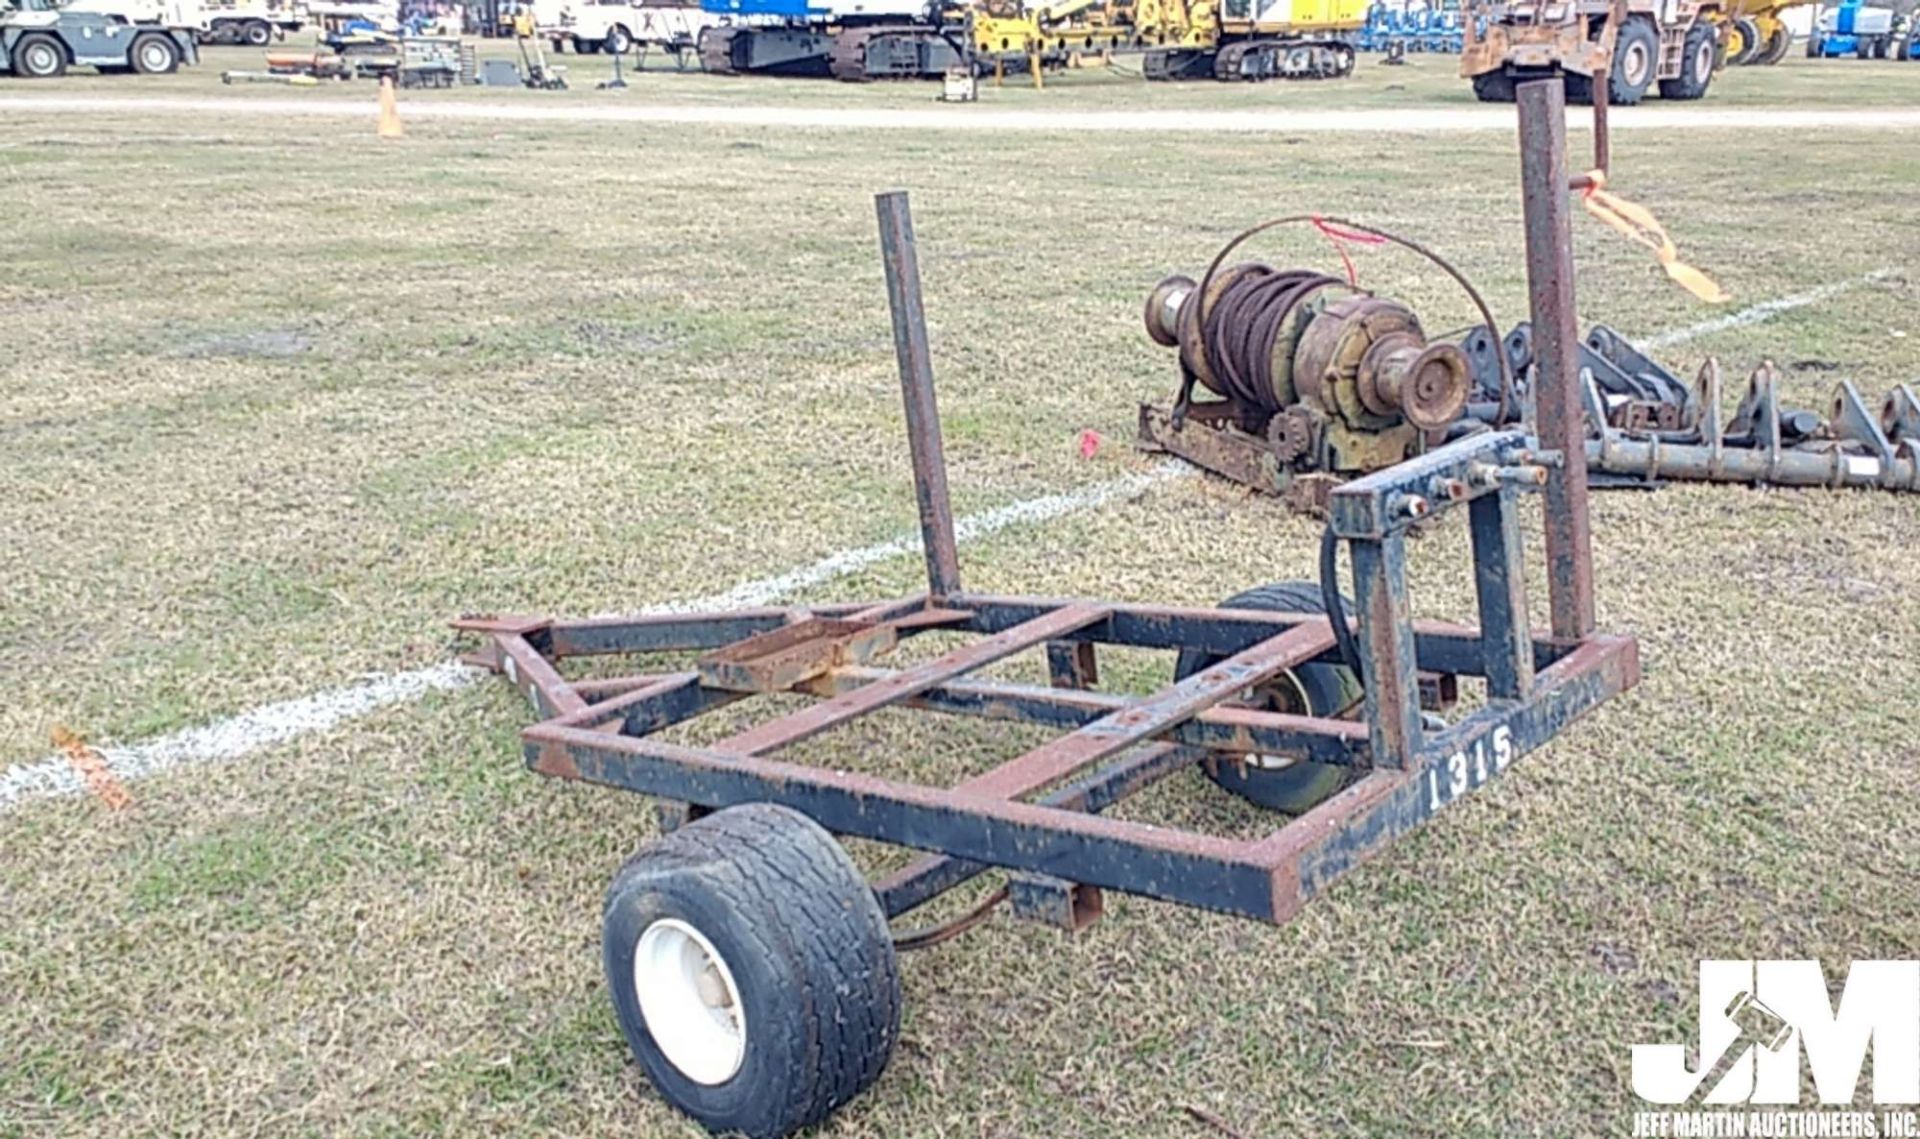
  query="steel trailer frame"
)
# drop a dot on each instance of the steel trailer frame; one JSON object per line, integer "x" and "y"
{"x": 1038, "y": 816}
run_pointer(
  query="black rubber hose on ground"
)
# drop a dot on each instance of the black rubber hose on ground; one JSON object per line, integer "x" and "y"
{"x": 1330, "y": 599}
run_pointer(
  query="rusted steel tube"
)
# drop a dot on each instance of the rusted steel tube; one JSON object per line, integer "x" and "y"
{"x": 901, "y": 260}
{"x": 1831, "y": 467}
{"x": 1560, "y": 419}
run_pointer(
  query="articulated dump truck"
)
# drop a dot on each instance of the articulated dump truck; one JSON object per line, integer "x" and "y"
{"x": 859, "y": 40}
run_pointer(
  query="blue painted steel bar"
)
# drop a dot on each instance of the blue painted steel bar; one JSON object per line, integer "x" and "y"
{"x": 1442, "y": 646}
{"x": 1266, "y": 879}
{"x": 1365, "y": 507}
{"x": 1337, "y": 835}
{"x": 1199, "y": 870}
{"x": 1500, "y": 580}
{"x": 1149, "y": 716}
{"x": 929, "y": 876}
{"x": 811, "y": 721}
{"x": 1233, "y": 730}
{"x": 535, "y": 677}
{"x": 1072, "y": 664}
{"x": 1387, "y": 651}
{"x": 674, "y": 632}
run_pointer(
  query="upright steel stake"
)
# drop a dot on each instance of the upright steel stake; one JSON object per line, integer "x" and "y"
{"x": 1560, "y": 420}
{"x": 901, "y": 262}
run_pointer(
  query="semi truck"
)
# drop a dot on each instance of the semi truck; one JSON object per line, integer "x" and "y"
{"x": 40, "y": 39}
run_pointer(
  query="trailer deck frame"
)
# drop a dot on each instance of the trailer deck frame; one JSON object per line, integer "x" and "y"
{"x": 1038, "y": 815}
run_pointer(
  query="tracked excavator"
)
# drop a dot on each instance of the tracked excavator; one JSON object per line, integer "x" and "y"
{"x": 862, "y": 40}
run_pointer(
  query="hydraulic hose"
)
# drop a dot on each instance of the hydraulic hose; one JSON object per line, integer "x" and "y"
{"x": 1335, "y": 607}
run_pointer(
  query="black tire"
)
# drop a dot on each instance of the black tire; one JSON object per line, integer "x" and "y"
{"x": 39, "y": 56}
{"x": 154, "y": 55}
{"x": 618, "y": 42}
{"x": 1311, "y": 689}
{"x": 1696, "y": 66}
{"x": 1778, "y": 45}
{"x": 257, "y": 33}
{"x": 1749, "y": 42}
{"x": 1636, "y": 57}
{"x": 800, "y": 942}
{"x": 1493, "y": 87}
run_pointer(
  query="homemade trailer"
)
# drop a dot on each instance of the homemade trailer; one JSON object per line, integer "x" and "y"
{"x": 752, "y": 967}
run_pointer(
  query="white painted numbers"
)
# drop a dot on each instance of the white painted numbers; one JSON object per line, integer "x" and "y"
{"x": 1466, "y": 770}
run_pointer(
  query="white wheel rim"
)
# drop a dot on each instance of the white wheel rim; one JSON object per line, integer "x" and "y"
{"x": 1636, "y": 64}
{"x": 40, "y": 59}
{"x": 154, "y": 56}
{"x": 690, "y": 1002}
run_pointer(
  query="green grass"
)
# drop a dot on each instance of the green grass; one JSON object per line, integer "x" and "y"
{"x": 280, "y": 399}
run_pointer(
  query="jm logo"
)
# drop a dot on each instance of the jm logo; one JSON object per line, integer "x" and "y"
{"x": 1758, "y": 1017}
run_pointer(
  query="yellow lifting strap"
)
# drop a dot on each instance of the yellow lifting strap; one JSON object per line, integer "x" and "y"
{"x": 1637, "y": 223}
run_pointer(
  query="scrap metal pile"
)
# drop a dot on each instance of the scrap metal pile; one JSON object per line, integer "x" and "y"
{"x": 1321, "y": 381}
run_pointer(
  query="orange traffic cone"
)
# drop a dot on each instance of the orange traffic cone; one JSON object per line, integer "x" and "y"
{"x": 389, "y": 110}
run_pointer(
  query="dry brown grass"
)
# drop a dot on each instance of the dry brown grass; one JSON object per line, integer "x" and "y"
{"x": 277, "y": 404}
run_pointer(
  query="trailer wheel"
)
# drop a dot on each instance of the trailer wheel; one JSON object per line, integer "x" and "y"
{"x": 154, "y": 55}
{"x": 618, "y": 41}
{"x": 1636, "y": 56}
{"x": 257, "y": 33}
{"x": 1309, "y": 690}
{"x": 1696, "y": 66}
{"x": 39, "y": 56}
{"x": 751, "y": 970}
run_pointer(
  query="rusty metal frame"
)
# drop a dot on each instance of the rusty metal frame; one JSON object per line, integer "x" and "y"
{"x": 1038, "y": 816}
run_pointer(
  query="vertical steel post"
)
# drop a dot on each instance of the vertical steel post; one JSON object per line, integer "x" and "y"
{"x": 901, "y": 262}
{"x": 1560, "y": 420}
{"x": 1387, "y": 653}
{"x": 1506, "y": 641}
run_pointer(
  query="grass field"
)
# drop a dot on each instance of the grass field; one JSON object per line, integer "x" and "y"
{"x": 278, "y": 399}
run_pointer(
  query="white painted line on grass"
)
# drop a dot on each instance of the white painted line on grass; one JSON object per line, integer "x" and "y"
{"x": 972, "y": 117}
{"x": 1755, "y": 314}
{"x": 232, "y": 738}
{"x": 271, "y": 724}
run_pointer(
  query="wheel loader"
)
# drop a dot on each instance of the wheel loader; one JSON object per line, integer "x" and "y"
{"x": 1635, "y": 46}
